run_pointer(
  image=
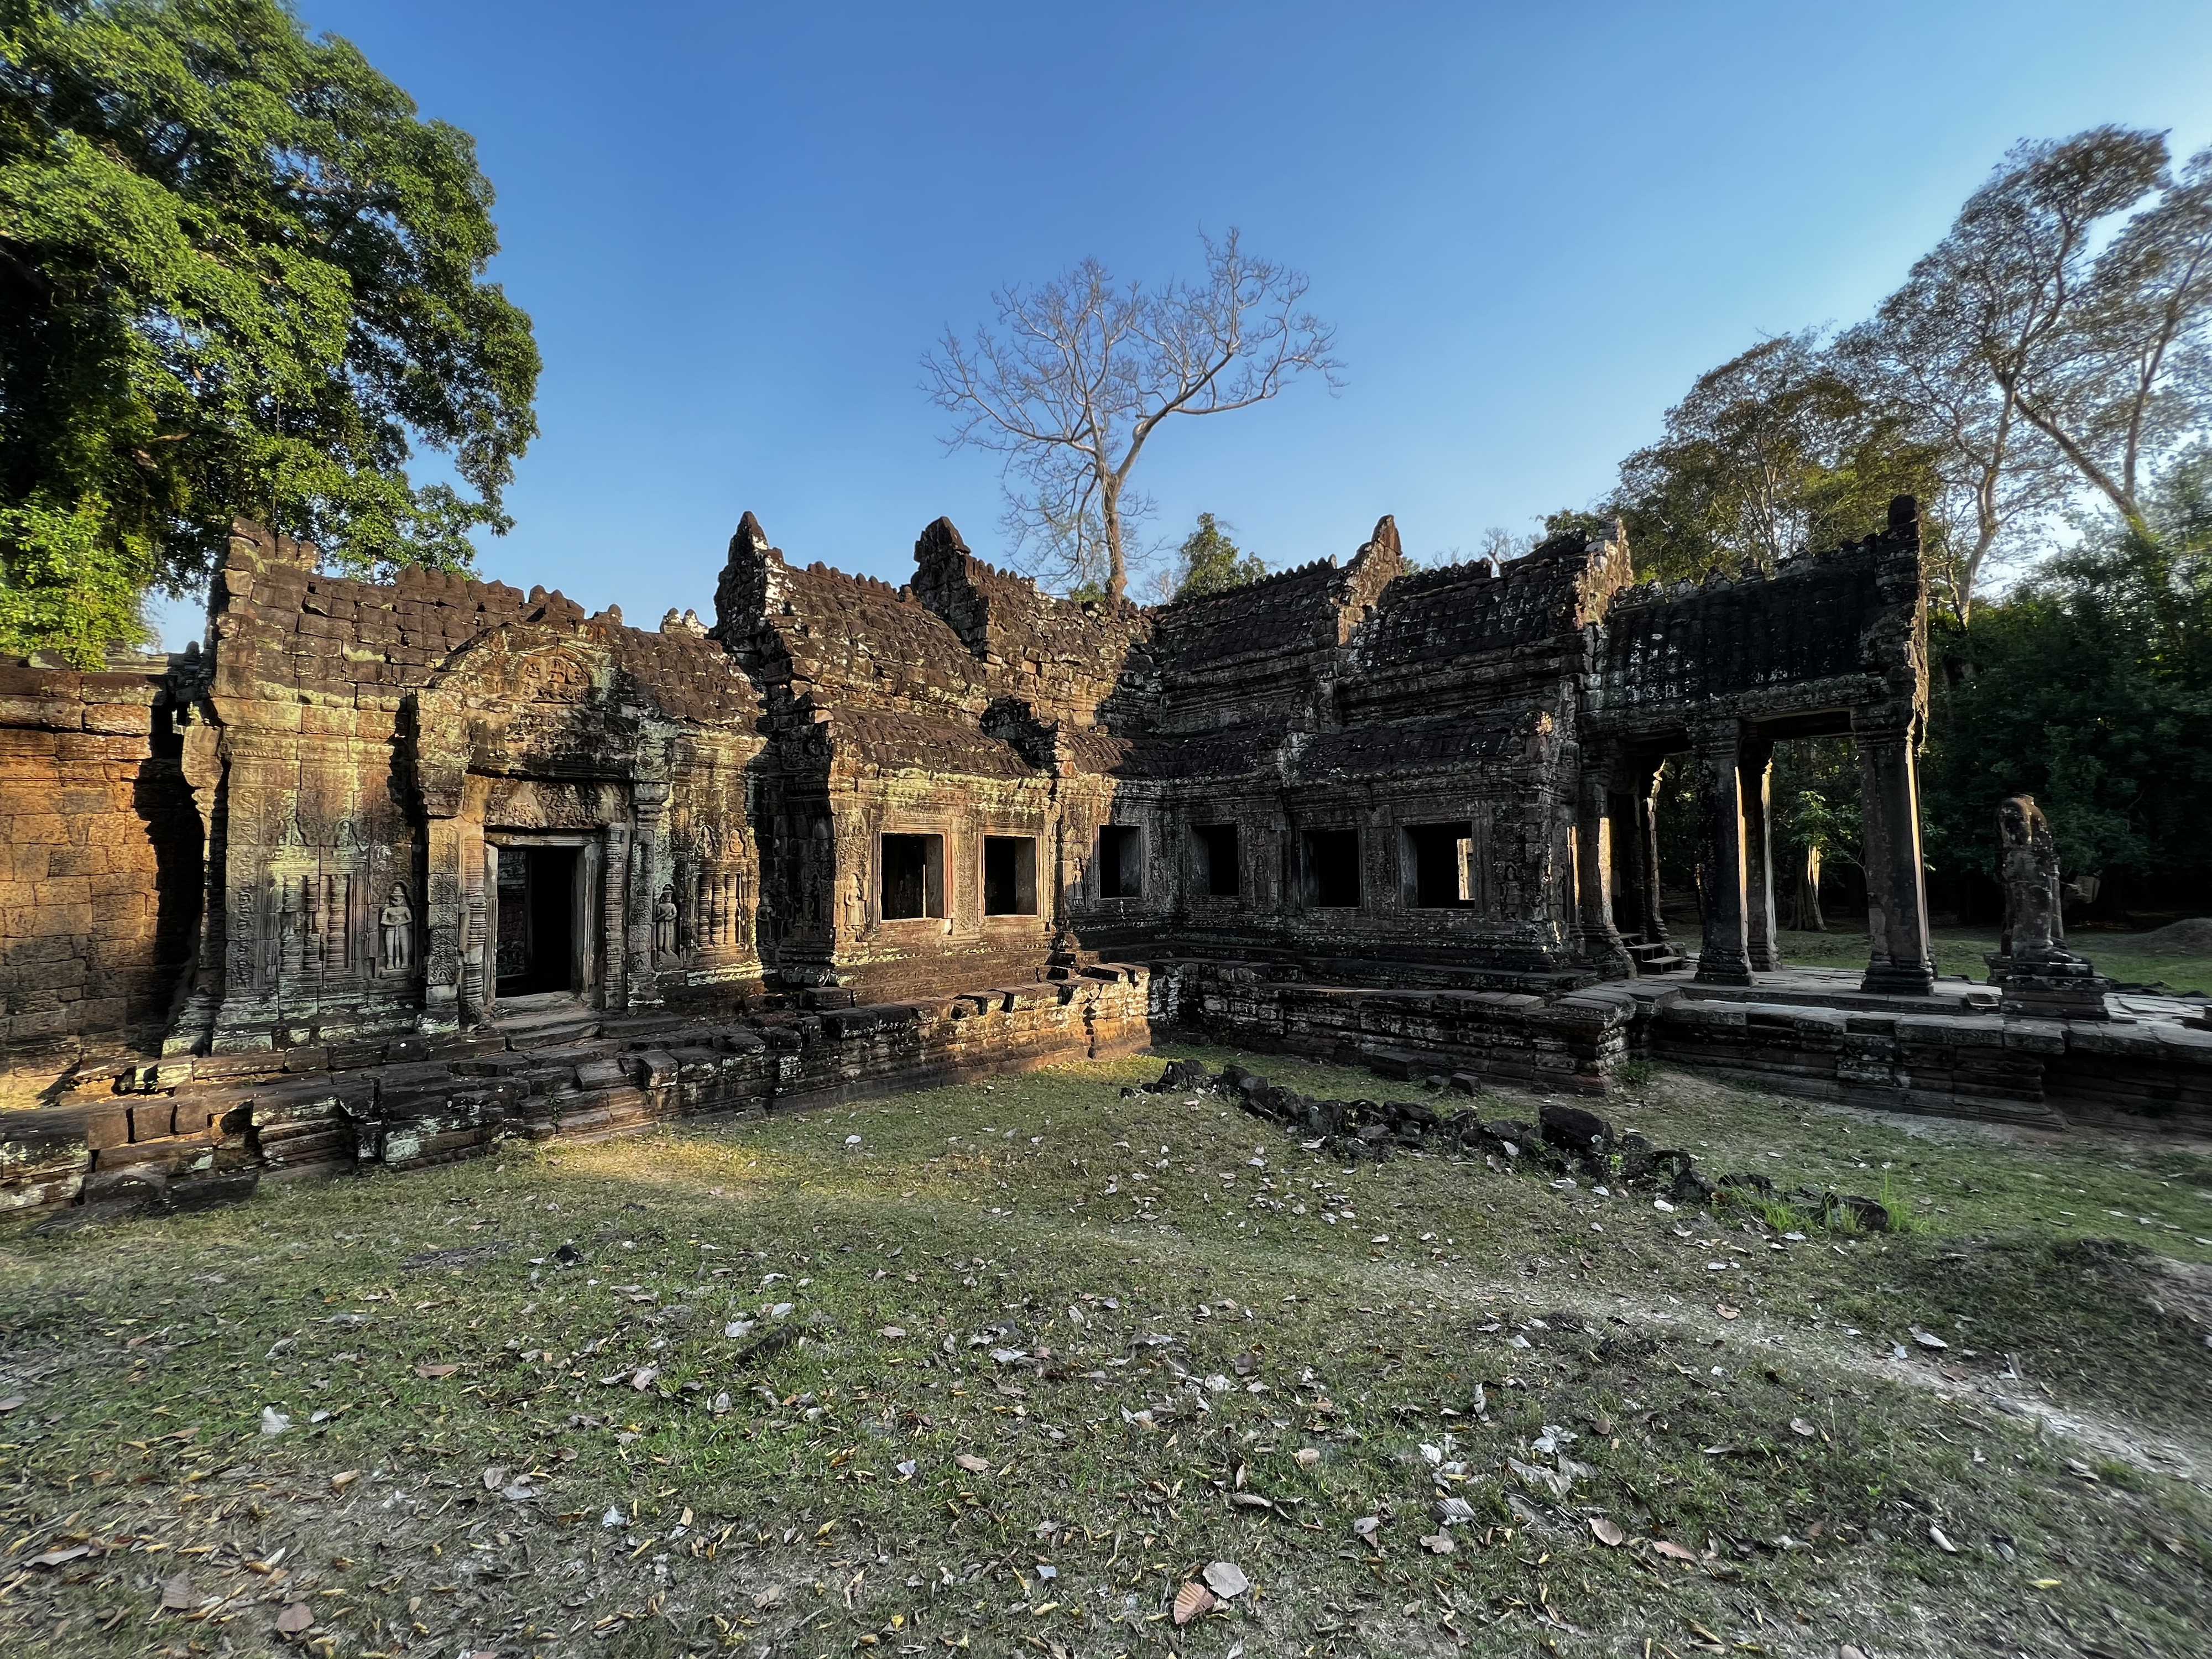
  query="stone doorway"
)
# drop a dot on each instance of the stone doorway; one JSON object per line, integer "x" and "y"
{"x": 540, "y": 940}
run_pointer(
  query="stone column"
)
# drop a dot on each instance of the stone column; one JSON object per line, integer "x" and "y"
{"x": 1754, "y": 776}
{"x": 1898, "y": 959}
{"x": 442, "y": 923}
{"x": 649, "y": 800}
{"x": 1724, "y": 958}
{"x": 479, "y": 966}
{"x": 614, "y": 950}
{"x": 1636, "y": 845}
{"x": 1600, "y": 940}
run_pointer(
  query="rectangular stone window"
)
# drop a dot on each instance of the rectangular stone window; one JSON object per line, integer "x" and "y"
{"x": 912, "y": 868}
{"x": 1120, "y": 864}
{"x": 1218, "y": 874}
{"x": 1439, "y": 863}
{"x": 1332, "y": 861}
{"x": 1010, "y": 876}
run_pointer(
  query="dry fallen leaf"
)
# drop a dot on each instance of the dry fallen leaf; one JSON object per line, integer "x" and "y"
{"x": 1191, "y": 1600}
{"x": 1438, "y": 1543}
{"x": 1608, "y": 1531}
{"x": 1308, "y": 1457}
{"x": 1942, "y": 1543}
{"x": 11, "y": 1403}
{"x": 295, "y": 1619}
{"x": 178, "y": 1594}
{"x": 433, "y": 1372}
{"x": 343, "y": 1478}
{"x": 60, "y": 1558}
{"x": 1799, "y": 1426}
{"x": 1672, "y": 1551}
{"x": 1226, "y": 1580}
{"x": 1928, "y": 1342}
{"x": 974, "y": 1464}
{"x": 767, "y": 1598}
{"x": 1725, "y": 1311}
{"x": 494, "y": 1478}
{"x": 894, "y": 1331}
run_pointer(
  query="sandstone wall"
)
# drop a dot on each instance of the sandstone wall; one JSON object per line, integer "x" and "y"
{"x": 100, "y": 859}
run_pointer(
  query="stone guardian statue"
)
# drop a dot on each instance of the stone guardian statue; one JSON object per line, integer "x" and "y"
{"x": 2038, "y": 976}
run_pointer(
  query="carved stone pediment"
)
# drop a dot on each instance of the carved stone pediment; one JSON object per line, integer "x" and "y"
{"x": 523, "y": 699}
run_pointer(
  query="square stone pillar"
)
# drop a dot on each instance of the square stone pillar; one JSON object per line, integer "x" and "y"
{"x": 1724, "y": 958}
{"x": 1636, "y": 844}
{"x": 1899, "y": 960}
{"x": 1755, "y": 777}
{"x": 614, "y": 925}
{"x": 444, "y": 919}
{"x": 1600, "y": 940}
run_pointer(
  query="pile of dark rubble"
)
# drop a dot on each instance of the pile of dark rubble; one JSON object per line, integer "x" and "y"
{"x": 1565, "y": 1139}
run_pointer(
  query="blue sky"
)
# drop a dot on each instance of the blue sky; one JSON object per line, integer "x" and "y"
{"x": 738, "y": 227}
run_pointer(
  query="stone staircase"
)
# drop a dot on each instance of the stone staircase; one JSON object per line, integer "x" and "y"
{"x": 1653, "y": 957}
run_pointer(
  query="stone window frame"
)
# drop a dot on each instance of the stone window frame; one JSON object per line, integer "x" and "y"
{"x": 1200, "y": 880}
{"x": 1309, "y": 886}
{"x": 986, "y": 833}
{"x": 937, "y": 921}
{"x": 1098, "y": 895}
{"x": 1471, "y": 872}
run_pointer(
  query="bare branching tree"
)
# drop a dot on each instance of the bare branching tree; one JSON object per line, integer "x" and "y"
{"x": 2041, "y": 352}
{"x": 1081, "y": 371}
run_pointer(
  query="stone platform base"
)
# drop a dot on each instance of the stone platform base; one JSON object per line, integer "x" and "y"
{"x": 2144, "y": 1063}
{"x": 180, "y": 1132}
{"x": 175, "y": 1132}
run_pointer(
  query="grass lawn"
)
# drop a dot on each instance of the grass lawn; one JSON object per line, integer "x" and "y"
{"x": 999, "y": 1369}
{"x": 1964, "y": 950}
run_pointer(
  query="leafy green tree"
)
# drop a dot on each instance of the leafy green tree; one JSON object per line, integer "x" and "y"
{"x": 1209, "y": 562}
{"x": 239, "y": 275}
{"x": 2090, "y": 687}
{"x": 1775, "y": 450}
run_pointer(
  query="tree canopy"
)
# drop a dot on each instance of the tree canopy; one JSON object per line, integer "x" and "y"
{"x": 239, "y": 275}
{"x": 1775, "y": 450}
{"x": 2090, "y": 687}
{"x": 1209, "y": 562}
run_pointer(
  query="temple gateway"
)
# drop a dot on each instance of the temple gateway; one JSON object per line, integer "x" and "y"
{"x": 384, "y": 871}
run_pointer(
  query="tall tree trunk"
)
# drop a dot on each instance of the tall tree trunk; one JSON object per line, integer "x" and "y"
{"x": 1110, "y": 514}
{"x": 1806, "y": 901}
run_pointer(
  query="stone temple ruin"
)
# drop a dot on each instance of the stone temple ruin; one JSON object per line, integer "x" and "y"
{"x": 386, "y": 872}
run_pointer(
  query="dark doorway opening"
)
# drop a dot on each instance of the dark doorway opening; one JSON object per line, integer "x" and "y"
{"x": 913, "y": 877}
{"x": 1120, "y": 861}
{"x": 1441, "y": 857}
{"x": 1217, "y": 859}
{"x": 1333, "y": 869}
{"x": 1010, "y": 876}
{"x": 537, "y": 949}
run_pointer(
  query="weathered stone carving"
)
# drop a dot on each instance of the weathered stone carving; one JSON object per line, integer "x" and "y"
{"x": 2037, "y": 975}
{"x": 396, "y": 923}
{"x": 2034, "y": 924}
{"x": 664, "y": 923}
